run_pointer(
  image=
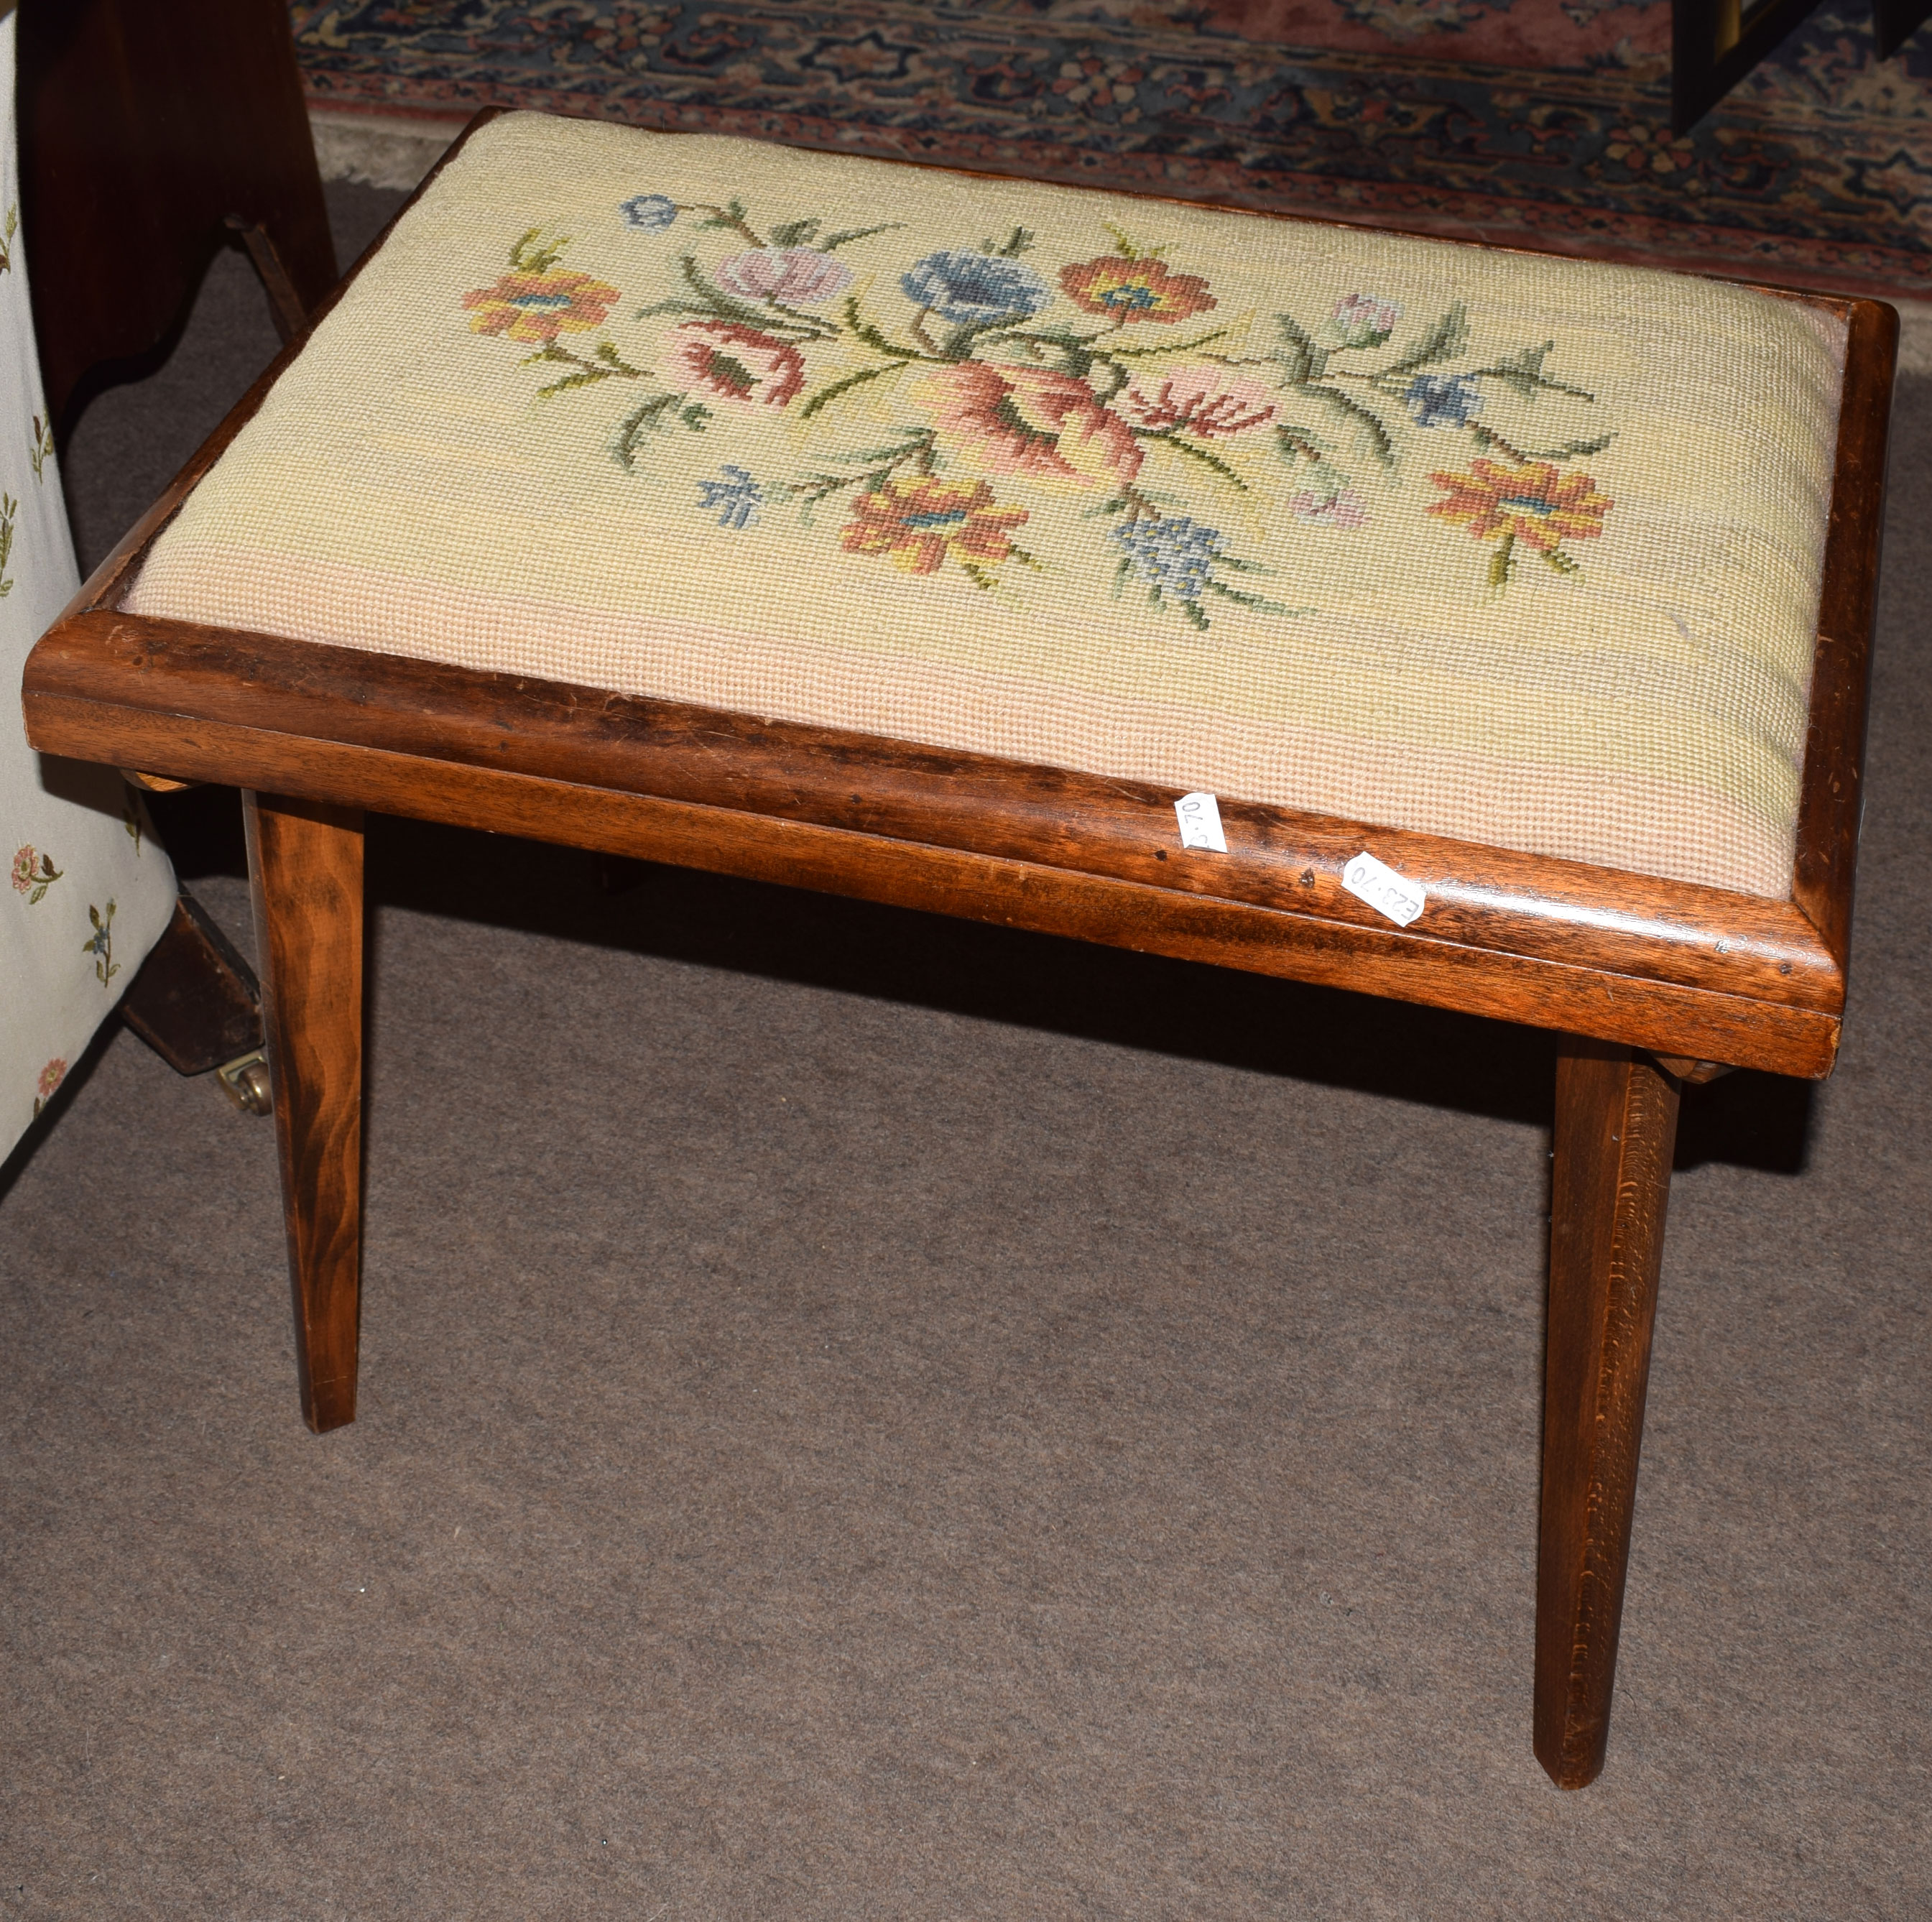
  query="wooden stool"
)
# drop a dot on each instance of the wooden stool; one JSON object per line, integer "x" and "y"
{"x": 1467, "y": 627}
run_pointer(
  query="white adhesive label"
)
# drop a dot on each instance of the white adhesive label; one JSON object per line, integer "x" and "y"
{"x": 1387, "y": 892}
{"x": 1200, "y": 818}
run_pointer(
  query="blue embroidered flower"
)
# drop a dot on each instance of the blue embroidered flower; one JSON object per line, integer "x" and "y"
{"x": 734, "y": 497}
{"x": 651, "y": 212}
{"x": 1443, "y": 400}
{"x": 969, "y": 288}
{"x": 1174, "y": 556}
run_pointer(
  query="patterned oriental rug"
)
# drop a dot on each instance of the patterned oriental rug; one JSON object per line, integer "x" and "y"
{"x": 1544, "y": 123}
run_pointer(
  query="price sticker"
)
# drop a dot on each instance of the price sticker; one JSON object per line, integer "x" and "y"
{"x": 1200, "y": 818}
{"x": 1387, "y": 892}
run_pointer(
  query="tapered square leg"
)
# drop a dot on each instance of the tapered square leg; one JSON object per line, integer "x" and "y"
{"x": 1616, "y": 1126}
{"x": 305, "y": 870}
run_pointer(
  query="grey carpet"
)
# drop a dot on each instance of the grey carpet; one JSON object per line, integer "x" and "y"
{"x": 868, "y": 1417}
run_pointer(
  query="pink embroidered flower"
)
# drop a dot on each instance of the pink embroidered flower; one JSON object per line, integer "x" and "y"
{"x": 1206, "y": 401}
{"x": 740, "y": 363}
{"x": 1031, "y": 421}
{"x": 1342, "y": 510}
{"x": 51, "y": 1075}
{"x": 33, "y": 873}
{"x": 1363, "y": 321}
{"x": 797, "y": 276}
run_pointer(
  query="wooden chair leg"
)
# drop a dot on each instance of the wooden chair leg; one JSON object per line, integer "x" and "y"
{"x": 1616, "y": 1125}
{"x": 305, "y": 868}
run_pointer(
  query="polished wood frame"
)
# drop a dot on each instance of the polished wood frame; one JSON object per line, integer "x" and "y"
{"x": 1652, "y": 982}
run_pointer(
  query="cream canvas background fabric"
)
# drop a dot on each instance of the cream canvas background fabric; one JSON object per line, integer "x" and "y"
{"x": 1517, "y": 550}
{"x": 89, "y": 892}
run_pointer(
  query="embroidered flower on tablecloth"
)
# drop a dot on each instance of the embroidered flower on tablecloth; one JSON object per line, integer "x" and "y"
{"x": 1138, "y": 289}
{"x": 734, "y": 496}
{"x": 920, "y": 524}
{"x": 739, "y": 363}
{"x": 33, "y": 873}
{"x": 1442, "y": 400}
{"x": 537, "y": 307}
{"x": 1345, "y": 509}
{"x": 974, "y": 289}
{"x": 1362, "y": 320}
{"x": 649, "y": 213}
{"x": 1207, "y": 402}
{"x": 1536, "y": 503}
{"x": 1030, "y": 421}
{"x": 51, "y": 1077}
{"x": 793, "y": 276}
{"x": 100, "y": 944}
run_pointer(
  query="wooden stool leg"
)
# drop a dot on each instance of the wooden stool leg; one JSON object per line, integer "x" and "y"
{"x": 305, "y": 868}
{"x": 1616, "y": 1124}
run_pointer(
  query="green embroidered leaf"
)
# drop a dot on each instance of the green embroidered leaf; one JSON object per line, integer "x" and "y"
{"x": 857, "y": 233}
{"x": 827, "y": 395}
{"x": 794, "y": 233}
{"x": 640, "y": 421}
{"x": 1449, "y": 336}
{"x": 694, "y": 416}
{"x": 871, "y": 335}
{"x": 1499, "y": 563}
{"x": 1557, "y": 559}
{"x": 532, "y": 254}
{"x": 1367, "y": 423}
{"x": 1303, "y": 361}
{"x": 1019, "y": 241}
{"x": 1523, "y": 373}
{"x": 1254, "y": 600}
{"x": 1179, "y": 347}
{"x": 1172, "y": 439}
{"x": 585, "y": 377}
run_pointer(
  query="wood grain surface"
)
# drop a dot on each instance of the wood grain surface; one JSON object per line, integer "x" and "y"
{"x": 1616, "y": 1124}
{"x": 305, "y": 870}
{"x": 1832, "y": 798}
{"x": 1684, "y": 971}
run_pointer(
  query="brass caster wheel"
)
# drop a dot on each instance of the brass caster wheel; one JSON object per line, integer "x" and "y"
{"x": 245, "y": 1082}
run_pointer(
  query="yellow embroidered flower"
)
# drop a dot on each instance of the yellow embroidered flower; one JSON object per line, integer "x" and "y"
{"x": 537, "y": 307}
{"x": 1535, "y": 503}
{"x": 918, "y": 524}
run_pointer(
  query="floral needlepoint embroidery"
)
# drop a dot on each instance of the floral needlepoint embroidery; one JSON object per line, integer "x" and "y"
{"x": 740, "y": 363}
{"x": 650, "y": 213}
{"x": 1130, "y": 289}
{"x": 1342, "y": 510}
{"x": 1535, "y": 503}
{"x": 1361, "y": 320}
{"x": 735, "y": 497}
{"x": 1207, "y": 402}
{"x": 975, "y": 289}
{"x": 918, "y": 524}
{"x": 941, "y": 393}
{"x": 1443, "y": 400}
{"x": 1031, "y": 421}
{"x": 538, "y": 307}
{"x": 51, "y": 1077}
{"x": 100, "y": 944}
{"x": 33, "y": 874}
{"x": 786, "y": 276}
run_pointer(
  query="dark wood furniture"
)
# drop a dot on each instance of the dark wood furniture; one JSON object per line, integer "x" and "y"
{"x": 149, "y": 137}
{"x": 1654, "y": 982}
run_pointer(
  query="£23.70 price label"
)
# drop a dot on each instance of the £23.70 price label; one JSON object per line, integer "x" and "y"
{"x": 1387, "y": 892}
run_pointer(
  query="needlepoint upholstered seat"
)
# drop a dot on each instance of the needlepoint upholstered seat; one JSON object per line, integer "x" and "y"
{"x": 929, "y": 537}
